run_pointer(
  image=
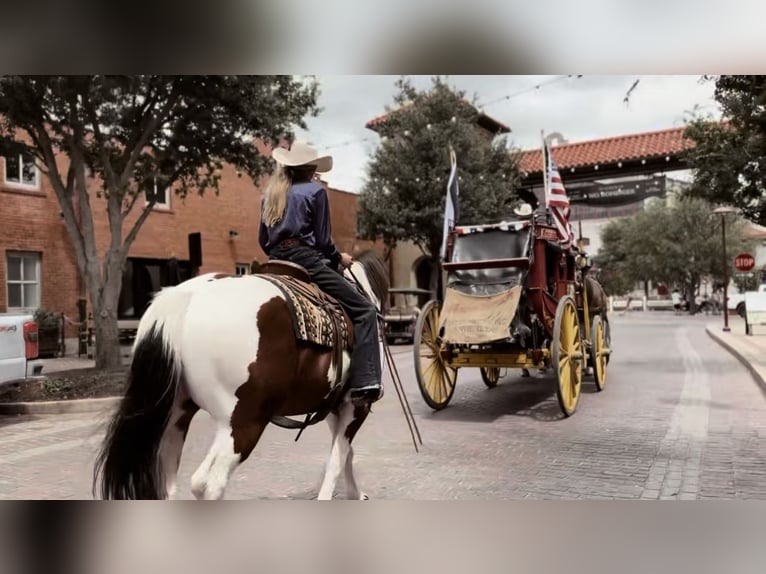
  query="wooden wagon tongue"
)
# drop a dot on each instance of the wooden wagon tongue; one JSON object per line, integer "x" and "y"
{"x": 475, "y": 319}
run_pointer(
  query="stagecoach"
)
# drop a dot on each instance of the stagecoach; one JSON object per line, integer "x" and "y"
{"x": 514, "y": 299}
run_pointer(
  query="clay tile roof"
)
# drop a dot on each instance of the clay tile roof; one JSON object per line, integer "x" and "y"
{"x": 485, "y": 121}
{"x": 609, "y": 150}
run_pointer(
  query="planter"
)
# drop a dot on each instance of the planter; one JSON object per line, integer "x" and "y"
{"x": 50, "y": 331}
{"x": 49, "y": 343}
{"x": 77, "y": 390}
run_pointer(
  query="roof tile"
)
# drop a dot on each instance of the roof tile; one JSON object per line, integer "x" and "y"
{"x": 609, "y": 150}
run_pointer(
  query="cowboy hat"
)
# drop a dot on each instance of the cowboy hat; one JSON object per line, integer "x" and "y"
{"x": 523, "y": 210}
{"x": 301, "y": 153}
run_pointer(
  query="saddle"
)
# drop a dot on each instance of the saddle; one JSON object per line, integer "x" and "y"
{"x": 318, "y": 318}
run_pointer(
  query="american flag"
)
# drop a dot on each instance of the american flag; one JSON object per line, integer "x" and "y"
{"x": 556, "y": 198}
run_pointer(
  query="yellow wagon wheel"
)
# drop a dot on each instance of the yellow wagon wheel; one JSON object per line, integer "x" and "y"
{"x": 567, "y": 355}
{"x": 435, "y": 378}
{"x": 490, "y": 376}
{"x": 599, "y": 354}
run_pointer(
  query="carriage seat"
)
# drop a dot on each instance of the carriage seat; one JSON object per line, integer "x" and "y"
{"x": 284, "y": 268}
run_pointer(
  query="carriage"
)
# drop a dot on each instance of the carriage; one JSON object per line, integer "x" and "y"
{"x": 515, "y": 299}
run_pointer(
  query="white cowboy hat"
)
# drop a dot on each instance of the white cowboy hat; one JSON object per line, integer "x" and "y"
{"x": 301, "y": 153}
{"x": 523, "y": 210}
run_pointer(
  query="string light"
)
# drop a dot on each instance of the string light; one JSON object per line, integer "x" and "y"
{"x": 479, "y": 106}
{"x": 530, "y": 89}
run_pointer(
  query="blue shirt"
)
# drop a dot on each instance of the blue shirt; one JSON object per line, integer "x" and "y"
{"x": 306, "y": 218}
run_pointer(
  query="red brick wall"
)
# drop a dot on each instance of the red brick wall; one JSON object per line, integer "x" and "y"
{"x": 343, "y": 211}
{"x": 32, "y": 222}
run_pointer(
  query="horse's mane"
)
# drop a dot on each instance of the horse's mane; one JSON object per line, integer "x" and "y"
{"x": 377, "y": 274}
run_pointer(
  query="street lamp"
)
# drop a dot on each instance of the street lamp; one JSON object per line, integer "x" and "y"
{"x": 722, "y": 211}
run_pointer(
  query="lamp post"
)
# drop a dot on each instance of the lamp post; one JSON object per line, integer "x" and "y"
{"x": 722, "y": 211}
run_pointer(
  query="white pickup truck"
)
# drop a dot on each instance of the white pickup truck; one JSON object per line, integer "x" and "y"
{"x": 19, "y": 347}
{"x": 737, "y": 300}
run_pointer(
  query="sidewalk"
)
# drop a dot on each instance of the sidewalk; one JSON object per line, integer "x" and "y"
{"x": 749, "y": 350}
{"x": 72, "y": 361}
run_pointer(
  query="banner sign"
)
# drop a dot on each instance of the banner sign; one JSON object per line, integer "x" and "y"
{"x": 617, "y": 193}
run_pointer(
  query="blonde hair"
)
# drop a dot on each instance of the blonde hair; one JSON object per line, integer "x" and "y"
{"x": 276, "y": 196}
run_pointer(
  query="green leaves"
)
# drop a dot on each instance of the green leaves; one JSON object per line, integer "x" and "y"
{"x": 729, "y": 160}
{"x": 404, "y": 195}
{"x": 130, "y": 129}
{"x": 677, "y": 242}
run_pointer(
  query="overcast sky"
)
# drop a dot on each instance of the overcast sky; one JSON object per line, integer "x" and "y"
{"x": 579, "y": 108}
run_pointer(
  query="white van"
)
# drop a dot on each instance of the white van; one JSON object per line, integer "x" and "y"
{"x": 19, "y": 347}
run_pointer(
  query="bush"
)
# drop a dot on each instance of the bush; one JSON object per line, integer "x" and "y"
{"x": 47, "y": 320}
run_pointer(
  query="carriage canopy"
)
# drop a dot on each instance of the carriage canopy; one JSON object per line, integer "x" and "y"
{"x": 486, "y": 273}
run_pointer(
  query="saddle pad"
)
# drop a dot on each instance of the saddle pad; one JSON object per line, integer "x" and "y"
{"x": 472, "y": 319}
{"x": 316, "y": 316}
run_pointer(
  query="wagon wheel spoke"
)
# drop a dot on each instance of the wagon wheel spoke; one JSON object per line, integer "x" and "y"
{"x": 490, "y": 376}
{"x": 567, "y": 355}
{"x": 600, "y": 355}
{"x": 436, "y": 379}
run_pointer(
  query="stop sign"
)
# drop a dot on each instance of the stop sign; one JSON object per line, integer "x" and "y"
{"x": 744, "y": 262}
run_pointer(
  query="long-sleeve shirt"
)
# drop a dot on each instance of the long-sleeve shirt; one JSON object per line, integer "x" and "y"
{"x": 306, "y": 218}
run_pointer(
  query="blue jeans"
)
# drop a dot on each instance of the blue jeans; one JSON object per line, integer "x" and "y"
{"x": 365, "y": 359}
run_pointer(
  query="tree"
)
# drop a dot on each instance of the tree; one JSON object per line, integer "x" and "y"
{"x": 128, "y": 134}
{"x": 677, "y": 244}
{"x": 729, "y": 157}
{"x": 404, "y": 195}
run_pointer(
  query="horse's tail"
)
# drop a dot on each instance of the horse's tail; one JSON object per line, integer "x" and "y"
{"x": 128, "y": 465}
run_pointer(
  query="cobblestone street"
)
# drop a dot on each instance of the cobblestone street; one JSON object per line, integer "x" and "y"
{"x": 680, "y": 418}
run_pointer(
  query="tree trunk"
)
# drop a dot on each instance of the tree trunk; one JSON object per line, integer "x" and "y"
{"x": 105, "y": 297}
{"x": 690, "y": 290}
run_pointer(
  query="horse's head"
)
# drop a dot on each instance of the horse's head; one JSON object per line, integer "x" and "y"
{"x": 372, "y": 274}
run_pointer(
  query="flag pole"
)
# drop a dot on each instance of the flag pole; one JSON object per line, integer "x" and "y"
{"x": 545, "y": 179}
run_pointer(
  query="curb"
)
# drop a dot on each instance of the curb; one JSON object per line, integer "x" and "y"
{"x": 59, "y": 407}
{"x": 757, "y": 377}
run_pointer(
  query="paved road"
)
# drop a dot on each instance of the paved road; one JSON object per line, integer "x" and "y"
{"x": 679, "y": 419}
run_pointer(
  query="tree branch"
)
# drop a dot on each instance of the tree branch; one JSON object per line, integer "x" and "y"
{"x": 131, "y": 236}
{"x": 143, "y": 139}
{"x": 42, "y": 140}
{"x": 105, "y": 160}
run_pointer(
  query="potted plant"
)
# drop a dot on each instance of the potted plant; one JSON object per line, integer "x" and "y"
{"x": 48, "y": 326}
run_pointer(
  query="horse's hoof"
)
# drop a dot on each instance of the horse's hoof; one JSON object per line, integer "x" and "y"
{"x": 364, "y": 497}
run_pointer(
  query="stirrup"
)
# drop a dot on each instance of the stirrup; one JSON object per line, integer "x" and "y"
{"x": 370, "y": 392}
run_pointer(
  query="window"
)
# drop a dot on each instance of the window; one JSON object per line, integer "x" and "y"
{"x": 20, "y": 170}
{"x": 23, "y": 272}
{"x": 162, "y": 195}
{"x": 242, "y": 269}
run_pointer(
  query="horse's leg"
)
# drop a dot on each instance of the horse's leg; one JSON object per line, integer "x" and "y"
{"x": 344, "y": 425}
{"x": 352, "y": 490}
{"x": 338, "y": 451}
{"x": 231, "y": 447}
{"x": 172, "y": 444}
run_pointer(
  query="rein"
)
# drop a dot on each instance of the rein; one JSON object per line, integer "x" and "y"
{"x": 408, "y": 415}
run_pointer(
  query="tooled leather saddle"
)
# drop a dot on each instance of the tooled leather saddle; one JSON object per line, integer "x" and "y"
{"x": 318, "y": 318}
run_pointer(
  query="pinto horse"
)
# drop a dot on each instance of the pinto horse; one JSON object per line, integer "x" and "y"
{"x": 224, "y": 344}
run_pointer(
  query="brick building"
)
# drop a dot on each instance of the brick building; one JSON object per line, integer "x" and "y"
{"x": 39, "y": 268}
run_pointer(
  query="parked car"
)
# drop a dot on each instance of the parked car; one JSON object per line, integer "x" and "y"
{"x": 19, "y": 347}
{"x": 737, "y": 300}
{"x": 405, "y": 308}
